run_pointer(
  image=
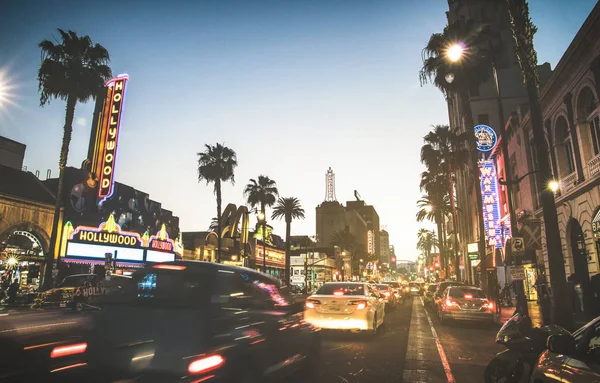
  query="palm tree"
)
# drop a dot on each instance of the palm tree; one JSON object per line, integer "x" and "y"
{"x": 262, "y": 193}
{"x": 74, "y": 70}
{"x": 214, "y": 226}
{"x": 217, "y": 164}
{"x": 467, "y": 74}
{"x": 427, "y": 241}
{"x": 445, "y": 151}
{"x": 435, "y": 207}
{"x": 288, "y": 208}
{"x": 523, "y": 31}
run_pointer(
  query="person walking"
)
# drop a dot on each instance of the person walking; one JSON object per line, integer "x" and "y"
{"x": 12, "y": 293}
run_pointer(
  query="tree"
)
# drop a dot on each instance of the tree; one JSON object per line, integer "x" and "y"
{"x": 446, "y": 152}
{"x": 74, "y": 70}
{"x": 262, "y": 193}
{"x": 427, "y": 241}
{"x": 523, "y": 31}
{"x": 346, "y": 241}
{"x": 435, "y": 207}
{"x": 467, "y": 74}
{"x": 289, "y": 209}
{"x": 217, "y": 164}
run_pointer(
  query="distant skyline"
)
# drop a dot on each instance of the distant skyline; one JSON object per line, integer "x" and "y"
{"x": 294, "y": 87}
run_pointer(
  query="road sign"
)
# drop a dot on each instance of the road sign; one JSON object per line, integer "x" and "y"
{"x": 517, "y": 273}
{"x": 517, "y": 245}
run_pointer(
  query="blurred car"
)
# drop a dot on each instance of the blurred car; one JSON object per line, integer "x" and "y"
{"x": 441, "y": 288}
{"x": 188, "y": 321}
{"x": 397, "y": 290}
{"x": 465, "y": 303}
{"x": 64, "y": 293}
{"x": 415, "y": 288}
{"x": 345, "y": 306}
{"x": 428, "y": 296}
{"x": 571, "y": 358}
{"x": 389, "y": 298}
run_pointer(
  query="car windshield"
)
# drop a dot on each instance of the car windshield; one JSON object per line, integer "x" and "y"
{"x": 75, "y": 281}
{"x": 341, "y": 289}
{"x": 459, "y": 292}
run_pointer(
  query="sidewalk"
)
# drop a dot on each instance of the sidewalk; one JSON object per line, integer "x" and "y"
{"x": 535, "y": 313}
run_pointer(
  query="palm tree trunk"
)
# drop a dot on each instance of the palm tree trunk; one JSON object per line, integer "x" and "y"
{"x": 454, "y": 217}
{"x": 264, "y": 236}
{"x": 62, "y": 163}
{"x": 219, "y": 230}
{"x": 468, "y": 114}
{"x": 288, "y": 229}
{"x": 523, "y": 31}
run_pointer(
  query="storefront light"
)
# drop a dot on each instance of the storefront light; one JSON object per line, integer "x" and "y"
{"x": 12, "y": 261}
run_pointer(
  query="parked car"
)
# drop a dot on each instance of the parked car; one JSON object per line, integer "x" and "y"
{"x": 181, "y": 322}
{"x": 571, "y": 358}
{"x": 442, "y": 286}
{"x": 346, "y": 306}
{"x": 465, "y": 303}
{"x": 63, "y": 295}
{"x": 428, "y": 296}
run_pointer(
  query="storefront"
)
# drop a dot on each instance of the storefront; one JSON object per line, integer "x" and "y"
{"x": 22, "y": 259}
{"x": 84, "y": 249}
{"x": 275, "y": 260}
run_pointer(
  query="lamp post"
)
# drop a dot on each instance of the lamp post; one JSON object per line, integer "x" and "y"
{"x": 455, "y": 53}
{"x": 262, "y": 218}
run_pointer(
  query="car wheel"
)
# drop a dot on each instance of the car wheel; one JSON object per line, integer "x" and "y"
{"x": 79, "y": 306}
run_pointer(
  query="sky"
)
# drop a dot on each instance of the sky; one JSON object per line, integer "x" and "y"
{"x": 294, "y": 87}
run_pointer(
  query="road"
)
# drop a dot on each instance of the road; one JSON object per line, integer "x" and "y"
{"x": 407, "y": 350}
{"x": 412, "y": 346}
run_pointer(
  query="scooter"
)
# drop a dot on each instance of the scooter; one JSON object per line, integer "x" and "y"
{"x": 524, "y": 345}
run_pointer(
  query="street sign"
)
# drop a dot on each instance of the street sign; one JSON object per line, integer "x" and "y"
{"x": 517, "y": 273}
{"x": 517, "y": 245}
{"x": 475, "y": 262}
{"x": 473, "y": 256}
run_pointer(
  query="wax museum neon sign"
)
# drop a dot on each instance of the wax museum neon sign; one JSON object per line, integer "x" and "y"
{"x": 491, "y": 206}
{"x": 112, "y": 125}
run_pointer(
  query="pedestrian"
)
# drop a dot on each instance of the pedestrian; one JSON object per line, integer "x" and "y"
{"x": 12, "y": 293}
{"x": 572, "y": 293}
{"x": 495, "y": 295}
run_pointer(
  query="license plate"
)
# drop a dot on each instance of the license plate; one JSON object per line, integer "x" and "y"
{"x": 334, "y": 308}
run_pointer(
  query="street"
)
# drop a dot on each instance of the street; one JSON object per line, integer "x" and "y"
{"x": 405, "y": 350}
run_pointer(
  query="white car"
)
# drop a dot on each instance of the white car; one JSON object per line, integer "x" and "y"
{"x": 345, "y": 306}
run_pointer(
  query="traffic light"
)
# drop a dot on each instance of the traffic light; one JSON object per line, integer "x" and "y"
{"x": 437, "y": 264}
{"x": 393, "y": 259}
{"x": 430, "y": 268}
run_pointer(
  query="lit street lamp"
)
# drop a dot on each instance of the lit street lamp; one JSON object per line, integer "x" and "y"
{"x": 553, "y": 185}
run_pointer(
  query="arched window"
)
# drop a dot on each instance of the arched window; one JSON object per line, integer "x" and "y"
{"x": 564, "y": 148}
{"x": 587, "y": 112}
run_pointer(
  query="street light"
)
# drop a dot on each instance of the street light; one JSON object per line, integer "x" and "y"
{"x": 553, "y": 185}
{"x": 428, "y": 208}
{"x": 455, "y": 52}
{"x": 449, "y": 78}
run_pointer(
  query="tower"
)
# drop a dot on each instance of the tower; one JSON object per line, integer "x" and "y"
{"x": 330, "y": 186}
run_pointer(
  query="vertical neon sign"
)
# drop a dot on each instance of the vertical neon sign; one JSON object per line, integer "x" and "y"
{"x": 112, "y": 126}
{"x": 370, "y": 242}
{"x": 491, "y": 207}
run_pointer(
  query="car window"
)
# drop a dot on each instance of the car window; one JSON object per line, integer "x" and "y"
{"x": 246, "y": 290}
{"x": 457, "y": 292}
{"x": 172, "y": 289}
{"x": 74, "y": 281}
{"x": 341, "y": 289}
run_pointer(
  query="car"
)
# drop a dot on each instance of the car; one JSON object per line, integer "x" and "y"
{"x": 397, "y": 290}
{"x": 63, "y": 295}
{"x": 188, "y": 321}
{"x": 571, "y": 358}
{"x": 415, "y": 288}
{"x": 389, "y": 298}
{"x": 428, "y": 296}
{"x": 465, "y": 303}
{"x": 439, "y": 291}
{"x": 345, "y": 306}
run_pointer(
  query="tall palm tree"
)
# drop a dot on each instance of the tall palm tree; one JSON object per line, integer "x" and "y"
{"x": 523, "y": 31}
{"x": 217, "y": 164}
{"x": 74, "y": 70}
{"x": 289, "y": 209}
{"x": 467, "y": 74}
{"x": 427, "y": 240}
{"x": 262, "y": 192}
{"x": 445, "y": 151}
{"x": 435, "y": 207}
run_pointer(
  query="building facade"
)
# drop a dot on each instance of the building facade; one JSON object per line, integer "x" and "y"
{"x": 384, "y": 246}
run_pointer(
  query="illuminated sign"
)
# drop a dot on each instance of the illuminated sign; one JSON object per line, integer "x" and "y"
{"x": 108, "y": 233}
{"x": 370, "y": 242}
{"x": 491, "y": 207}
{"x": 161, "y": 241}
{"x": 486, "y": 138}
{"x": 112, "y": 125}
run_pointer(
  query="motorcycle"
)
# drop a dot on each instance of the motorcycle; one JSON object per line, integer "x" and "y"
{"x": 524, "y": 345}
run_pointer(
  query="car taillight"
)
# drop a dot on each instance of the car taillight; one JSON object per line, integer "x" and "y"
{"x": 386, "y": 293}
{"x": 468, "y": 296}
{"x": 206, "y": 364}
{"x": 310, "y": 303}
{"x": 450, "y": 302}
{"x": 489, "y": 305}
{"x": 360, "y": 305}
{"x": 66, "y": 350}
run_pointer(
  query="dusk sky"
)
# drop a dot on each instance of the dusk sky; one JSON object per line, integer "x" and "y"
{"x": 294, "y": 87}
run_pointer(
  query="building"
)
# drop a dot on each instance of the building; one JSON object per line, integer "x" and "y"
{"x": 12, "y": 153}
{"x": 570, "y": 108}
{"x": 369, "y": 214}
{"x": 312, "y": 264}
{"x": 384, "y": 246}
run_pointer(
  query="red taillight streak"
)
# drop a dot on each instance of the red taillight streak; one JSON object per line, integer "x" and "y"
{"x": 468, "y": 296}
{"x": 206, "y": 364}
{"x": 71, "y": 349}
{"x": 450, "y": 303}
{"x": 489, "y": 305}
{"x": 170, "y": 267}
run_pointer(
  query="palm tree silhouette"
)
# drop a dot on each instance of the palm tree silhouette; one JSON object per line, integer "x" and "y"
{"x": 289, "y": 209}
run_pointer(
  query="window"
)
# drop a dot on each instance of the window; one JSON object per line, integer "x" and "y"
{"x": 172, "y": 289}
{"x": 483, "y": 119}
{"x": 341, "y": 289}
{"x": 595, "y": 131}
{"x": 457, "y": 292}
{"x": 568, "y": 148}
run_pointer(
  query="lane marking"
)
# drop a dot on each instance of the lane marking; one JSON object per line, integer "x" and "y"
{"x": 443, "y": 357}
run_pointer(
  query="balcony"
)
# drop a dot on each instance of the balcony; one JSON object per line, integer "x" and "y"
{"x": 567, "y": 183}
{"x": 594, "y": 166}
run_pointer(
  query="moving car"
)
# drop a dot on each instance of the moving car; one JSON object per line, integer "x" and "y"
{"x": 397, "y": 290}
{"x": 345, "y": 306}
{"x": 441, "y": 288}
{"x": 465, "y": 303}
{"x": 415, "y": 288}
{"x": 63, "y": 295}
{"x": 188, "y": 321}
{"x": 571, "y": 358}
{"x": 389, "y": 298}
{"x": 428, "y": 296}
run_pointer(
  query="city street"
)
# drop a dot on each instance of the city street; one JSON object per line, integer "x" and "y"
{"x": 405, "y": 350}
